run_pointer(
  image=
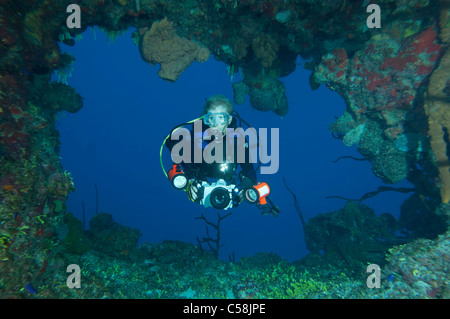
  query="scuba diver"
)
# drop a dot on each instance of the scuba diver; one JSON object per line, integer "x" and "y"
{"x": 216, "y": 181}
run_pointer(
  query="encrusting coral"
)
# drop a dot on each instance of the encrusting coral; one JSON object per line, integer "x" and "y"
{"x": 437, "y": 108}
{"x": 162, "y": 45}
{"x": 266, "y": 49}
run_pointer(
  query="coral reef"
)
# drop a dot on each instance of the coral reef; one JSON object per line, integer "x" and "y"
{"x": 418, "y": 220}
{"x": 421, "y": 267}
{"x": 174, "y": 269}
{"x": 437, "y": 108}
{"x": 265, "y": 49}
{"x": 76, "y": 241}
{"x": 394, "y": 81}
{"x": 352, "y": 235}
{"x": 34, "y": 186}
{"x": 111, "y": 238}
{"x": 382, "y": 81}
{"x": 266, "y": 94}
{"x": 162, "y": 45}
{"x": 59, "y": 96}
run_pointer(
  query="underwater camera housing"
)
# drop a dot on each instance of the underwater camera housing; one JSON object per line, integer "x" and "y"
{"x": 218, "y": 195}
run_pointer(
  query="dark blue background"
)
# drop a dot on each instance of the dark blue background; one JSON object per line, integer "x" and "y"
{"x": 114, "y": 142}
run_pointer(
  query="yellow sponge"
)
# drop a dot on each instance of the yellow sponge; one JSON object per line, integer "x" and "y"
{"x": 437, "y": 107}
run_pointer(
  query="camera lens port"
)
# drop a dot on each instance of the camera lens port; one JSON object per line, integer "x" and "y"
{"x": 220, "y": 198}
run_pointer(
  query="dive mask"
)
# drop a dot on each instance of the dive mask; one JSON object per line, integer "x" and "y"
{"x": 215, "y": 119}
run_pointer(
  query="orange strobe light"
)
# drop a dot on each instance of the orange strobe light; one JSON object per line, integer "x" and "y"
{"x": 177, "y": 177}
{"x": 258, "y": 192}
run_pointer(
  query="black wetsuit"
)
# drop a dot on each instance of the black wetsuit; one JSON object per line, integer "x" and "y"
{"x": 227, "y": 170}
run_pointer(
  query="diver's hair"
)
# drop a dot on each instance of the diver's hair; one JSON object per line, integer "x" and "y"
{"x": 217, "y": 100}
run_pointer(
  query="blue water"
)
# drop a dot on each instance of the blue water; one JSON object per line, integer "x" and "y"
{"x": 114, "y": 142}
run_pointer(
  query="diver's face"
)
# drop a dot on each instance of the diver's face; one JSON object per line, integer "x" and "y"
{"x": 216, "y": 110}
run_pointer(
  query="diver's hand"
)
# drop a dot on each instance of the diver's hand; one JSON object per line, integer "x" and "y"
{"x": 194, "y": 192}
{"x": 240, "y": 196}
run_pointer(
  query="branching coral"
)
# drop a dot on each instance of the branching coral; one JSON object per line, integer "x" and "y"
{"x": 162, "y": 45}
